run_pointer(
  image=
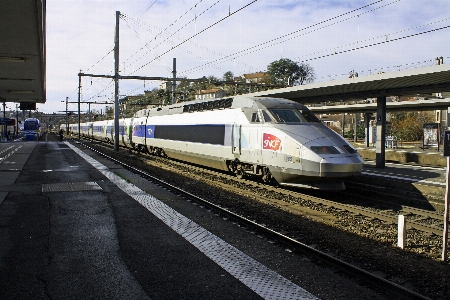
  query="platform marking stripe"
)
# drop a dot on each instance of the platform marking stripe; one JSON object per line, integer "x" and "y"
{"x": 4, "y": 150}
{"x": 263, "y": 281}
{"x": 9, "y": 154}
{"x": 403, "y": 178}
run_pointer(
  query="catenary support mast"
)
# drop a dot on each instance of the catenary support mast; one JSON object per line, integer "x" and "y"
{"x": 116, "y": 85}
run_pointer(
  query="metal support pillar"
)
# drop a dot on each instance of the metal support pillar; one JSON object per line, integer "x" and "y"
{"x": 79, "y": 111}
{"x": 174, "y": 83}
{"x": 67, "y": 116}
{"x": 381, "y": 132}
{"x": 17, "y": 120}
{"x": 5, "y": 131}
{"x": 116, "y": 85}
{"x": 355, "y": 129}
{"x": 446, "y": 213}
{"x": 367, "y": 127}
{"x": 447, "y": 120}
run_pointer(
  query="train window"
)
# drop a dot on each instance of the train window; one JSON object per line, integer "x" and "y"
{"x": 293, "y": 116}
{"x": 266, "y": 116}
{"x": 255, "y": 117}
{"x": 309, "y": 116}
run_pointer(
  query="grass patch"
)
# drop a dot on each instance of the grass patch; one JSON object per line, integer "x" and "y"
{"x": 122, "y": 176}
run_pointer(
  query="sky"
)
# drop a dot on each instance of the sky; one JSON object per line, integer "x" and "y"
{"x": 211, "y": 37}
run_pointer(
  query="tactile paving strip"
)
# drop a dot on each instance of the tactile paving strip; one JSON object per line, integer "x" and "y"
{"x": 71, "y": 187}
{"x": 263, "y": 281}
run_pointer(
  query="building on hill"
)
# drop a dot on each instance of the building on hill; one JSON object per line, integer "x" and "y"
{"x": 210, "y": 94}
{"x": 259, "y": 77}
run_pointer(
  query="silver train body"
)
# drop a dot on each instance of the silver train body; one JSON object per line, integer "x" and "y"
{"x": 271, "y": 138}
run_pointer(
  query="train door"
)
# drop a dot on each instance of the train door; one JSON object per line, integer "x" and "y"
{"x": 258, "y": 121}
{"x": 91, "y": 130}
{"x": 129, "y": 133}
{"x": 111, "y": 130}
{"x": 105, "y": 131}
{"x": 236, "y": 138}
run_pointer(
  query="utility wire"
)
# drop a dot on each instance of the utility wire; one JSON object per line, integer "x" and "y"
{"x": 387, "y": 36}
{"x": 163, "y": 41}
{"x": 188, "y": 39}
{"x": 124, "y": 17}
{"x": 100, "y": 60}
{"x": 147, "y": 9}
{"x": 379, "y": 43}
{"x": 191, "y": 53}
{"x": 271, "y": 43}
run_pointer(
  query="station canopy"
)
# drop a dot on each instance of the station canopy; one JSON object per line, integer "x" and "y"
{"x": 412, "y": 82}
{"x": 22, "y": 51}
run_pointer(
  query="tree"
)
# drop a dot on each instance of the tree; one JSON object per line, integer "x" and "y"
{"x": 228, "y": 76}
{"x": 288, "y": 73}
{"x": 207, "y": 84}
{"x": 408, "y": 126}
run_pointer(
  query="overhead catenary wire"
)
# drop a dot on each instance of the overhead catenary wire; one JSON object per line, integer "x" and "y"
{"x": 191, "y": 53}
{"x": 379, "y": 43}
{"x": 147, "y": 9}
{"x": 147, "y": 46}
{"x": 271, "y": 43}
{"x": 233, "y": 56}
{"x": 209, "y": 64}
{"x": 387, "y": 36}
{"x": 161, "y": 31}
{"x": 200, "y": 32}
{"x": 404, "y": 66}
{"x": 101, "y": 59}
{"x": 171, "y": 35}
{"x": 194, "y": 36}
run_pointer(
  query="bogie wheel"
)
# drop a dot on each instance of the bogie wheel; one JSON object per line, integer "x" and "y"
{"x": 267, "y": 177}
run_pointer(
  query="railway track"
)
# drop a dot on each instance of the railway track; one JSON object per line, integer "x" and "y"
{"x": 390, "y": 288}
{"x": 420, "y": 221}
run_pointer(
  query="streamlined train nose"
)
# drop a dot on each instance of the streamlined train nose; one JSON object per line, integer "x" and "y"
{"x": 340, "y": 166}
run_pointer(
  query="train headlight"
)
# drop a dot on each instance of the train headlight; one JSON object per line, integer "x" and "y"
{"x": 350, "y": 149}
{"x": 324, "y": 150}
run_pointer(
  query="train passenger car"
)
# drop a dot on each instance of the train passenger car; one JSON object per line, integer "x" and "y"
{"x": 99, "y": 130}
{"x": 104, "y": 131}
{"x": 138, "y": 133}
{"x": 86, "y": 129}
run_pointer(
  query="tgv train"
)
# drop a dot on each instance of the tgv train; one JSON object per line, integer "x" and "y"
{"x": 274, "y": 139}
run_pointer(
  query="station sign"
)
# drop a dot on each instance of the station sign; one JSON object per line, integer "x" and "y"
{"x": 27, "y": 106}
{"x": 447, "y": 143}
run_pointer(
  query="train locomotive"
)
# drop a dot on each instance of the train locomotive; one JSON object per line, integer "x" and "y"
{"x": 32, "y": 129}
{"x": 277, "y": 140}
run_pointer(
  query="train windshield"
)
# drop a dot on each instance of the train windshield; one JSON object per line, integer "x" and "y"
{"x": 293, "y": 116}
{"x": 31, "y": 125}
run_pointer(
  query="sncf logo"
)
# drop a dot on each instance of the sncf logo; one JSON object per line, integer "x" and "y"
{"x": 271, "y": 142}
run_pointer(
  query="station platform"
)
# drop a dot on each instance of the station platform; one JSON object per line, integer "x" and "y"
{"x": 76, "y": 225}
{"x": 405, "y": 153}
